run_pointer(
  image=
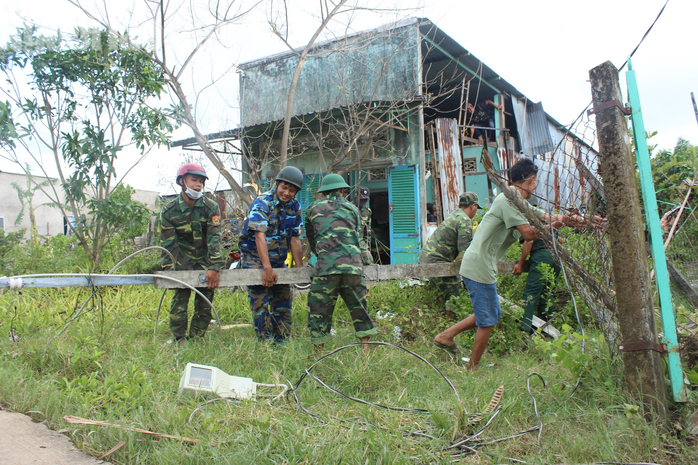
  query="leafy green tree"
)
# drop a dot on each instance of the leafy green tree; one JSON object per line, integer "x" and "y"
{"x": 82, "y": 98}
{"x": 670, "y": 169}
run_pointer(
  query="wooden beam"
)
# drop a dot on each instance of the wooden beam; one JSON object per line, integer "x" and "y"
{"x": 372, "y": 273}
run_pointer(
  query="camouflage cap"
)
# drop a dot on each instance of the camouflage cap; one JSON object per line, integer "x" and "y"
{"x": 469, "y": 198}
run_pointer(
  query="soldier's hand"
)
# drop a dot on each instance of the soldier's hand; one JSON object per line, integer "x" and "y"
{"x": 518, "y": 269}
{"x": 269, "y": 277}
{"x": 213, "y": 278}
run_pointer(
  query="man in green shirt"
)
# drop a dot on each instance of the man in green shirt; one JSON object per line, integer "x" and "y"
{"x": 497, "y": 231}
{"x": 448, "y": 243}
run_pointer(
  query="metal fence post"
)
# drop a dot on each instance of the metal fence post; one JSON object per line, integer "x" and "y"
{"x": 652, "y": 217}
{"x": 643, "y": 372}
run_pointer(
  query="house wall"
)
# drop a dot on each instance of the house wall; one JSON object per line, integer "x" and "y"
{"x": 49, "y": 219}
{"x": 374, "y": 66}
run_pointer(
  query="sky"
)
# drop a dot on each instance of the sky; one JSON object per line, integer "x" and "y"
{"x": 544, "y": 48}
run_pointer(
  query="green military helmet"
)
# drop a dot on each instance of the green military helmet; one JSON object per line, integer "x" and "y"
{"x": 332, "y": 182}
{"x": 291, "y": 175}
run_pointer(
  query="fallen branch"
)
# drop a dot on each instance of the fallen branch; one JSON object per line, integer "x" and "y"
{"x": 84, "y": 421}
{"x": 112, "y": 450}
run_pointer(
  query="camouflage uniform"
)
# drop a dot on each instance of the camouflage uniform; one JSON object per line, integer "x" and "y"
{"x": 366, "y": 257}
{"x": 271, "y": 306}
{"x": 446, "y": 245}
{"x": 193, "y": 237}
{"x": 333, "y": 228}
{"x": 537, "y": 295}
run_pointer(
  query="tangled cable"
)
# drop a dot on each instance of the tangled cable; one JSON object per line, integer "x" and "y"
{"x": 307, "y": 372}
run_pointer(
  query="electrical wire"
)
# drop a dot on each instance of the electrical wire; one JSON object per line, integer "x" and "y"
{"x": 138, "y": 252}
{"x": 217, "y": 399}
{"x": 14, "y": 337}
{"x": 645, "y": 35}
{"x": 535, "y": 405}
{"x": 158, "y": 276}
{"x": 307, "y": 372}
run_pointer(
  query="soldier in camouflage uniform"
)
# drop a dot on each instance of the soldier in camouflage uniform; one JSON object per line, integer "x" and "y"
{"x": 272, "y": 226}
{"x": 333, "y": 227}
{"x": 361, "y": 201}
{"x": 448, "y": 243}
{"x": 191, "y": 232}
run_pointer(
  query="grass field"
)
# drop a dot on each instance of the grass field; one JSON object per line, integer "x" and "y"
{"x": 107, "y": 366}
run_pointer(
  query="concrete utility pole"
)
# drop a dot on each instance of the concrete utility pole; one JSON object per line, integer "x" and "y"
{"x": 643, "y": 370}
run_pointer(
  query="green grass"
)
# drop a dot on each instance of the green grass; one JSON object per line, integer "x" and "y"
{"x": 108, "y": 367}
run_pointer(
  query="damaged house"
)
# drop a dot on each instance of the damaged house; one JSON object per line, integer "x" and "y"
{"x": 388, "y": 109}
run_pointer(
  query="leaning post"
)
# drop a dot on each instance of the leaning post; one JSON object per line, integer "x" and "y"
{"x": 643, "y": 372}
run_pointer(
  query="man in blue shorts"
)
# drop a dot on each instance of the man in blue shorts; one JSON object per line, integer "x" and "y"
{"x": 498, "y": 230}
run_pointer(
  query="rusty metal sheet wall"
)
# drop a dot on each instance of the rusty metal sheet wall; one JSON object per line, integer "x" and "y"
{"x": 561, "y": 182}
{"x": 450, "y": 164}
{"x": 374, "y": 66}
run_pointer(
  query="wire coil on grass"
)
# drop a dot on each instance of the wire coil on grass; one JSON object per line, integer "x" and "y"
{"x": 307, "y": 372}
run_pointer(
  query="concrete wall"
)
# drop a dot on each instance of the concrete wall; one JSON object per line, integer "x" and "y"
{"x": 49, "y": 219}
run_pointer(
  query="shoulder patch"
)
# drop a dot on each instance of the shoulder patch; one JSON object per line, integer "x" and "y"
{"x": 171, "y": 204}
{"x": 216, "y": 220}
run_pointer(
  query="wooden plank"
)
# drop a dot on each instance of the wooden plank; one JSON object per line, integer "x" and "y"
{"x": 372, "y": 273}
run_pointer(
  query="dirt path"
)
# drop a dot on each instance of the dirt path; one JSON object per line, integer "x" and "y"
{"x": 24, "y": 442}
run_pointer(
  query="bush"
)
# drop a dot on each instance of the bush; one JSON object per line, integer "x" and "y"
{"x": 8, "y": 241}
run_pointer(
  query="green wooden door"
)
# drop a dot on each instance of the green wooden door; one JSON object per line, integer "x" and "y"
{"x": 404, "y": 214}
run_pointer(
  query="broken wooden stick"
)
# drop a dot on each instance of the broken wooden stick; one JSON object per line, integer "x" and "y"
{"x": 85, "y": 421}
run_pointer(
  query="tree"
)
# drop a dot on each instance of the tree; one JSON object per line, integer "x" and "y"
{"x": 670, "y": 169}
{"x": 326, "y": 15}
{"x": 205, "y": 24}
{"x": 89, "y": 95}
{"x": 329, "y": 11}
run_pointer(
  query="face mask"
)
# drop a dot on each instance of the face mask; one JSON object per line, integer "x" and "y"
{"x": 192, "y": 194}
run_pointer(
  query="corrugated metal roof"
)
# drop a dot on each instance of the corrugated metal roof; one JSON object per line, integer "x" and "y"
{"x": 324, "y": 44}
{"x": 436, "y": 46}
{"x": 533, "y": 129}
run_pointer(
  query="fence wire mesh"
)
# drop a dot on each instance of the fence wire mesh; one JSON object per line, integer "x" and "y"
{"x": 569, "y": 183}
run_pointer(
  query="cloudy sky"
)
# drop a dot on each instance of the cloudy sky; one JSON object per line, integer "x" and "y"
{"x": 545, "y": 48}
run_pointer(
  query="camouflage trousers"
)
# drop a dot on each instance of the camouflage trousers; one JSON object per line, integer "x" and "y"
{"x": 448, "y": 286}
{"x": 271, "y": 311}
{"x": 199, "y": 320}
{"x": 537, "y": 295}
{"x": 322, "y": 299}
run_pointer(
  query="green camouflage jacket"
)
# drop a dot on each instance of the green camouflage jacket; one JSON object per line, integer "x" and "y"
{"x": 333, "y": 228}
{"x": 450, "y": 239}
{"x": 192, "y": 234}
{"x": 366, "y": 257}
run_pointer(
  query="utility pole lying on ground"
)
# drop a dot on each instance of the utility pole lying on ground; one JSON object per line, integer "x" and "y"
{"x": 642, "y": 360}
{"x": 232, "y": 278}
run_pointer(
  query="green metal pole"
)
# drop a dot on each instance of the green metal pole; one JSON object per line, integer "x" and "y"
{"x": 652, "y": 214}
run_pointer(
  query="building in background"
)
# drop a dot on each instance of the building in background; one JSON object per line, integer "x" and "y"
{"x": 49, "y": 219}
{"x": 388, "y": 109}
